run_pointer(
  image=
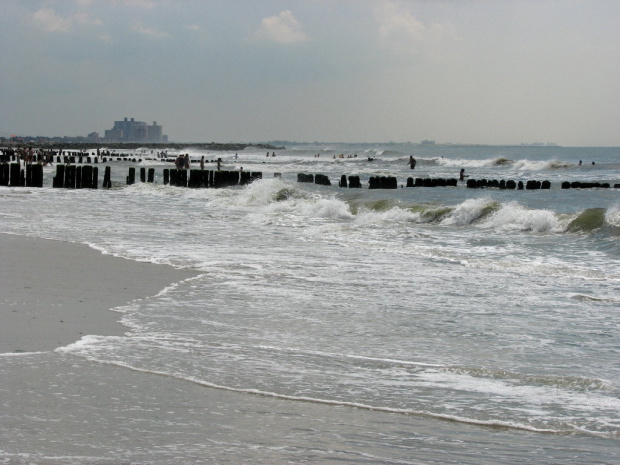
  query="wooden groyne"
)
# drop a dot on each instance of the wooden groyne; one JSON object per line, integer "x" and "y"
{"x": 13, "y": 175}
{"x": 70, "y": 176}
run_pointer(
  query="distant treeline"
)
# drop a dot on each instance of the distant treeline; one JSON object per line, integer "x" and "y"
{"x": 136, "y": 145}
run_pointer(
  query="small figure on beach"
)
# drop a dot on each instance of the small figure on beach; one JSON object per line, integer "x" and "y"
{"x": 186, "y": 161}
{"x": 219, "y": 164}
{"x": 579, "y": 162}
{"x": 412, "y": 162}
{"x": 179, "y": 162}
{"x": 462, "y": 175}
{"x": 202, "y": 162}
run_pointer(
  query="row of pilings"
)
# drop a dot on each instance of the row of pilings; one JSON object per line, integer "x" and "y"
{"x": 13, "y": 175}
{"x": 86, "y": 177}
{"x": 209, "y": 178}
{"x": 76, "y": 159}
{"x": 534, "y": 185}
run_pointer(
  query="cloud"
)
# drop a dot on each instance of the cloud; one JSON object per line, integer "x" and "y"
{"x": 283, "y": 28}
{"x": 47, "y": 20}
{"x": 141, "y": 29}
{"x": 138, "y": 3}
{"x": 402, "y": 33}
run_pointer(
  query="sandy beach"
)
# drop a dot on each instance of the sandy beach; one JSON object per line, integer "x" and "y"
{"x": 52, "y": 293}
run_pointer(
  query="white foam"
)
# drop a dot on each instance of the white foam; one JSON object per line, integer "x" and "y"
{"x": 515, "y": 217}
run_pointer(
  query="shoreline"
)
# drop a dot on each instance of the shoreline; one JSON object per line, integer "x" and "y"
{"x": 52, "y": 293}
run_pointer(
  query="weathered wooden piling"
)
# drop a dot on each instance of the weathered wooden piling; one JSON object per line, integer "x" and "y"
{"x": 322, "y": 180}
{"x": 4, "y": 174}
{"x": 245, "y": 177}
{"x": 15, "y": 175}
{"x": 28, "y": 176}
{"x": 354, "y": 182}
{"x": 107, "y": 182}
{"x": 382, "y": 182}
{"x": 142, "y": 174}
{"x": 131, "y": 177}
{"x": 198, "y": 178}
{"x": 69, "y": 177}
{"x": 34, "y": 175}
{"x": 78, "y": 177}
{"x": 343, "y": 181}
{"x": 151, "y": 175}
{"x": 301, "y": 177}
{"x": 59, "y": 179}
{"x": 87, "y": 177}
{"x": 181, "y": 178}
{"x": 166, "y": 176}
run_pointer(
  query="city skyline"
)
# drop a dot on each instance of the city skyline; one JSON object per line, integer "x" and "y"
{"x": 469, "y": 72}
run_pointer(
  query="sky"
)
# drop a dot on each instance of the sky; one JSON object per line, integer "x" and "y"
{"x": 453, "y": 71}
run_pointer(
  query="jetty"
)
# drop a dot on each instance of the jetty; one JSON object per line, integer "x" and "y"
{"x": 72, "y": 175}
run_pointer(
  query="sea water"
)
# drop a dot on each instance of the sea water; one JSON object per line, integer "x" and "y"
{"x": 333, "y": 325}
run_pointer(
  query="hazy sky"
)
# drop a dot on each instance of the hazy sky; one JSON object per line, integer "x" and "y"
{"x": 479, "y": 71}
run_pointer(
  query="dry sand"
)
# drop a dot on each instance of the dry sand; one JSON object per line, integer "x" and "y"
{"x": 52, "y": 293}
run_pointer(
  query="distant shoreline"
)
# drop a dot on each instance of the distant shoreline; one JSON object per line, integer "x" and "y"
{"x": 136, "y": 145}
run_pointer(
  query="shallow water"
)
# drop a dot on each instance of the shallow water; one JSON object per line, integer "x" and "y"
{"x": 415, "y": 325}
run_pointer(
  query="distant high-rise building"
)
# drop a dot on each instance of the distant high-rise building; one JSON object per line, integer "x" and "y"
{"x": 155, "y": 133}
{"x": 135, "y": 131}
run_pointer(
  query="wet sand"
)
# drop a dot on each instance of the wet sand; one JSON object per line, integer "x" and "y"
{"x": 52, "y": 293}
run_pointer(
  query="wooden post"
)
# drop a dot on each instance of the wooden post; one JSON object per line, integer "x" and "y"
{"x": 59, "y": 179}
{"x": 182, "y": 178}
{"x": 14, "y": 178}
{"x": 245, "y": 177}
{"x": 37, "y": 175}
{"x": 354, "y": 182}
{"x": 87, "y": 177}
{"x": 94, "y": 183}
{"x": 131, "y": 178}
{"x": 4, "y": 174}
{"x": 151, "y": 177}
{"x": 28, "y": 175}
{"x": 233, "y": 179}
{"x": 142, "y": 174}
{"x": 107, "y": 183}
{"x": 166, "y": 176}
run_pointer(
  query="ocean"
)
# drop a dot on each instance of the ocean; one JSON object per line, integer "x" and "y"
{"x": 418, "y": 325}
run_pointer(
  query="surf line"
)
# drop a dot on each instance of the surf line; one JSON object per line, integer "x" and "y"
{"x": 390, "y": 410}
